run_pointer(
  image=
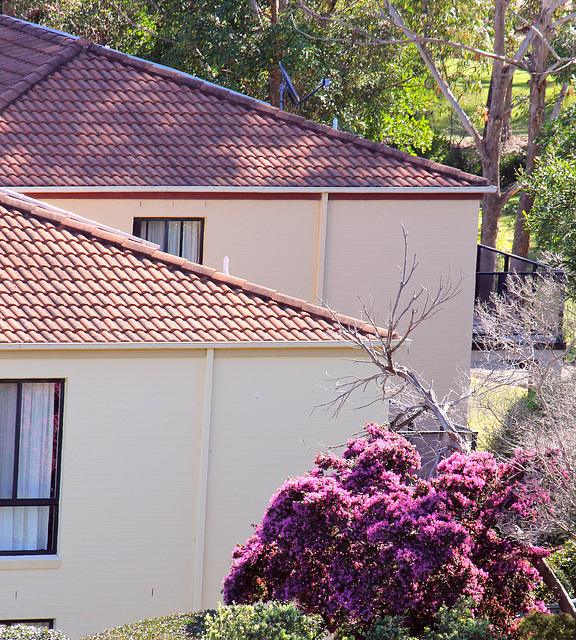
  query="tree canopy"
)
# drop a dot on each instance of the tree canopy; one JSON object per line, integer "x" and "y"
{"x": 553, "y": 187}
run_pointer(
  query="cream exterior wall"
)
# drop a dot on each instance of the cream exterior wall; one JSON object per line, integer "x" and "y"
{"x": 365, "y": 248}
{"x": 272, "y": 243}
{"x": 338, "y": 251}
{"x": 131, "y": 507}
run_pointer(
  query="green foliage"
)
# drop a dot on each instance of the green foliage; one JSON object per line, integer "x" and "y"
{"x": 180, "y": 626}
{"x": 450, "y": 623}
{"x": 263, "y": 622}
{"x": 459, "y": 623}
{"x": 107, "y": 23}
{"x": 389, "y": 628}
{"x": 563, "y": 562}
{"x": 542, "y": 626}
{"x": 465, "y": 158}
{"x": 456, "y": 155}
{"x": 551, "y": 219}
{"x": 511, "y": 165}
{"x": 25, "y": 632}
{"x": 559, "y": 136}
{"x": 553, "y": 185}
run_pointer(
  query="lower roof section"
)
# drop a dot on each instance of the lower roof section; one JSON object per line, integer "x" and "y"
{"x": 68, "y": 280}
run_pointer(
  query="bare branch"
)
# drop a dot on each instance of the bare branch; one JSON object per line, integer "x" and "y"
{"x": 465, "y": 120}
{"x": 396, "y": 383}
{"x": 521, "y": 331}
{"x": 563, "y": 19}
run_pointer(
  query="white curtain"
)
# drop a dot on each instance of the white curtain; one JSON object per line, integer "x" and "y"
{"x": 154, "y": 231}
{"x": 191, "y": 240}
{"x": 26, "y": 528}
{"x": 8, "y": 398}
{"x": 173, "y": 240}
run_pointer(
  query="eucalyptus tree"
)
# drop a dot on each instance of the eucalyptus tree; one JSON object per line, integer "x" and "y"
{"x": 456, "y": 41}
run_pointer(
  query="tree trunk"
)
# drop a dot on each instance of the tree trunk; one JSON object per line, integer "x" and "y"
{"x": 498, "y": 113}
{"x": 555, "y": 586}
{"x": 277, "y": 9}
{"x": 540, "y": 57}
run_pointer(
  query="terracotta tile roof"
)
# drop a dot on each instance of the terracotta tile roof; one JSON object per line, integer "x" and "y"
{"x": 64, "y": 279}
{"x": 74, "y": 113}
{"x": 24, "y": 54}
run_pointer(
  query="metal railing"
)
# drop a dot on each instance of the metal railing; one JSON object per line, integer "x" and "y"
{"x": 494, "y": 270}
{"x": 493, "y": 281}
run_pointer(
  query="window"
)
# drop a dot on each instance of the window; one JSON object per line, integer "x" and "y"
{"x": 43, "y": 624}
{"x": 181, "y": 237}
{"x": 30, "y": 435}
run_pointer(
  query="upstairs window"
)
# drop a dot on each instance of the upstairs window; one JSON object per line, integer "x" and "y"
{"x": 30, "y": 436}
{"x": 178, "y": 236}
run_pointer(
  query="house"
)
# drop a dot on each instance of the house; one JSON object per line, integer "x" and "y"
{"x": 149, "y": 408}
{"x": 207, "y": 173}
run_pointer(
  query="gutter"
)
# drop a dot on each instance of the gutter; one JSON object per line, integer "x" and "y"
{"x": 176, "y": 346}
{"x": 229, "y": 189}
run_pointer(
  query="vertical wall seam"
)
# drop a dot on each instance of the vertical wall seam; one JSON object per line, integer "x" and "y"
{"x": 321, "y": 249}
{"x": 203, "y": 479}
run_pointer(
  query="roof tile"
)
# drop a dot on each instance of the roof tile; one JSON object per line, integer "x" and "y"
{"x": 68, "y": 281}
{"x": 65, "y": 103}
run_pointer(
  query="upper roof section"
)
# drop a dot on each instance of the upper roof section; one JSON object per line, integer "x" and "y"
{"x": 65, "y": 279}
{"x": 73, "y": 113}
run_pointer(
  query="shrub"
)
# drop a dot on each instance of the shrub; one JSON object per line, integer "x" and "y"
{"x": 543, "y": 626}
{"x": 459, "y": 623}
{"x": 361, "y": 537}
{"x": 450, "y": 623}
{"x": 177, "y": 626}
{"x": 26, "y": 632}
{"x": 389, "y": 628}
{"x": 263, "y": 622}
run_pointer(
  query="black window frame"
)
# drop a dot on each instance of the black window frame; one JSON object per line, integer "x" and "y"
{"x": 137, "y": 231}
{"x": 41, "y": 623}
{"x": 54, "y": 500}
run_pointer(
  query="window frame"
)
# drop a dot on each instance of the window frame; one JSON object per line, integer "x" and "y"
{"x": 54, "y": 501}
{"x": 137, "y": 227}
{"x": 40, "y": 623}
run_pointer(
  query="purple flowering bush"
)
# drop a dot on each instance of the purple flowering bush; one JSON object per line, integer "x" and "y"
{"x": 362, "y": 537}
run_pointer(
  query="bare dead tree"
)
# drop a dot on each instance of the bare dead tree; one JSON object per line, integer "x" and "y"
{"x": 529, "y": 335}
{"x": 413, "y": 400}
{"x": 521, "y": 333}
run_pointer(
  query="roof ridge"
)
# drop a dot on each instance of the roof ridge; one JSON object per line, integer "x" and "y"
{"x": 151, "y": 251}
{"x": 44, "y": 32}
{"x": 69, "y": 50}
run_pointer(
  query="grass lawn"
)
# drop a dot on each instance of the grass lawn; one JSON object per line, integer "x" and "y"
{"x": 474, "y": 101}
{"x": 485, "y": 413}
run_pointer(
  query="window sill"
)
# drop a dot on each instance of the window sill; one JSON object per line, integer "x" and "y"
{"x": 29, "y": 562}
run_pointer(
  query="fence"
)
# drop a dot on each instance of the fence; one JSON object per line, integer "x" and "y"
{"x": 494, "y": 270}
